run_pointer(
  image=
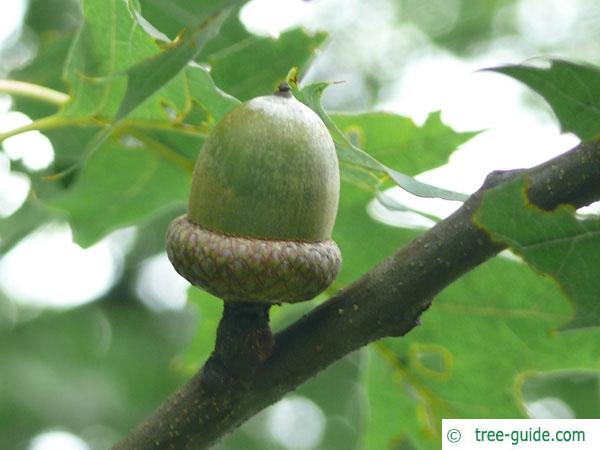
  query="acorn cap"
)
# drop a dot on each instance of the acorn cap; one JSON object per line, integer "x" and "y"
{"x": 263, "y": 202}
{"x": 251, "y": 270}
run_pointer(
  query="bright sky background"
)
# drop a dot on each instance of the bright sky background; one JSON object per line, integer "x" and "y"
{"x": 47, "y": 269}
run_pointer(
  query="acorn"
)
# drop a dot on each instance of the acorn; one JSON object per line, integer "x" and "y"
{"x": 262, "y": 206}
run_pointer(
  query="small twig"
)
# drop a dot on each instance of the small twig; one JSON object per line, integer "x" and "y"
{"x": 35, "y": 91}
{"x": 56, "y": 121}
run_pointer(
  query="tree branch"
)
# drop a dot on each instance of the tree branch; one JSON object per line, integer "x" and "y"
{"x": 387, "y": 301}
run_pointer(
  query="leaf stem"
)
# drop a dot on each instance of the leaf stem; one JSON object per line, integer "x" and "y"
{"x": 35, "y": 91}
{"x": 55, "y": 121}
{"x": 44, "y": 123}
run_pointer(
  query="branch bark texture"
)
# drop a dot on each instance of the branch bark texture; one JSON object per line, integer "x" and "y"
{"x": 387, "y": 301}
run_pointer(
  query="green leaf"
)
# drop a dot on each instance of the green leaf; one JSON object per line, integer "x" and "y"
{"x": 143, "y": 80}
{"x": 572, "y": 90}
{"x": 116, "y": 69}
{"x": 108, "y": 44}
{"x": 170, "y": 17}
{"x": 169, "y": 124}
{"x": 347, "y": 152}
{"x": 125, "y": 182}
{"x": 206, "y": 95}
{"x": 465, "y": 360}
{"x": 362, "y": 167}
{"x": 243, "y": 64}
{"x": 363, "y": 241}
{"x": 476, "y": 330}
{"x": 148, "y": 76}
{"x": 42, "y": 18}
{"x": 149, "y": 167}
{"x": 421, "y": 189}
{"x": 394, "y": 205}
{"x": 254, "y": 66}
{"x": 554, "y": 243}
{"x": 397, "y": 142}
{"x": 123, "y": 185}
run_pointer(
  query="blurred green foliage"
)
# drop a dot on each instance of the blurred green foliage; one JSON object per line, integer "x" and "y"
{"x": 571, "y": 387}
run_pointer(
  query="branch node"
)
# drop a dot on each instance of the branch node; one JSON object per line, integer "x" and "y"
{"x": 400, "y": 328}
{"x": 501, "y": 176}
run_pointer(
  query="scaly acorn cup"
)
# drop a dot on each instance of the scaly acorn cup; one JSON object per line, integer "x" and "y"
{"x": 263, "y": 202}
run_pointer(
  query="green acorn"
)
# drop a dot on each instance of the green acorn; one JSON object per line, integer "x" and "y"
{"x": 263, "y": 202}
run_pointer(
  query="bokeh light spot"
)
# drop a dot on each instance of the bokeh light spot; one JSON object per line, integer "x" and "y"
{"x": 57, "y": 440}
{"x": 297, "y": 423}
{"x": 47, "y": 269}
{"x": 159, "y": 286}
